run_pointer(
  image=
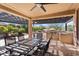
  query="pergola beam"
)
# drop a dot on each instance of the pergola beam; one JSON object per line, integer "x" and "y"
{"x": 7, "y": 9}
{"x": 56, "y": 15}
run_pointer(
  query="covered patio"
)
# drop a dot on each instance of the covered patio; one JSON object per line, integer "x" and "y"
{"x": 23, "y": 13}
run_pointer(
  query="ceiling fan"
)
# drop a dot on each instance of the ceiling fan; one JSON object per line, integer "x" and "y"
{"x": 41, "y": 5}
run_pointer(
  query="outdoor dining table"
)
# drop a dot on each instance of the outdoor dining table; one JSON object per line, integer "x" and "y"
{"x": 34, "y": 42}
{"x": 3, "y": 50}
{"x": 20, "y": 49}
{"x": 23, "y": 49}
{"x": 23, "y": 41}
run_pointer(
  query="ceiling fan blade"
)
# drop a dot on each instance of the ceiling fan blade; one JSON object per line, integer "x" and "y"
{"x": 32, "y": 8}
{"x": 46, "y": 3}
{"x": 42, "y": 7}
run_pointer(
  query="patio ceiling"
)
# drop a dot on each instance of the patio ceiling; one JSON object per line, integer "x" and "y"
{"x": 52, "y": 10}
{"x": 53, "y": 20}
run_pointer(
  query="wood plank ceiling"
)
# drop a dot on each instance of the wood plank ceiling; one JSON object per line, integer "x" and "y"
{"x": 52, "y": 10}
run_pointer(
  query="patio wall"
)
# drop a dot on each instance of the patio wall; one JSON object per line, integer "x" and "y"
{"x": 63, "y": 36}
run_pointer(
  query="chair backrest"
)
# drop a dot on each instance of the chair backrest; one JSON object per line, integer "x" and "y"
{"x": 10, "y": 40}
{"x": 20, "y": 38}
{"x": 38, "y": 35}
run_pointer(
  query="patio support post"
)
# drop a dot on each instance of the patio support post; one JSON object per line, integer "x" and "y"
{"x": 65, "y": 26}
{"x": 76, "y": 29}
{"x": 30, "y": 29}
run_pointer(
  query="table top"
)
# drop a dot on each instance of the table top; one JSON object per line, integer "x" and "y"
{"x": 26, "y": 47}
{"x": 20, "y": 49}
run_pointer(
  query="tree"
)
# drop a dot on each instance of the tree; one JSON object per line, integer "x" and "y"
{"x": 10, "y": 28}
{"x": 21, "y": 30}
{"x": 25, "y": 27}
{"x": 3, "y": 29}
{"x": 56, "y": 26}
{"x": 70, "y": 27}
{"x": 36, "y": 28}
